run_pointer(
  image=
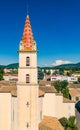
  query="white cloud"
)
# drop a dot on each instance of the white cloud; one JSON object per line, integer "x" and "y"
{"x": 60, "y": 62}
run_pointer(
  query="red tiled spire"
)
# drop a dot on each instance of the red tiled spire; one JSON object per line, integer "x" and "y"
{"x": 27, "y": 38}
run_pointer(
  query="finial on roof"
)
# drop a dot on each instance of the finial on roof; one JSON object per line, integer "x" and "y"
{"x": 27, "y": 11}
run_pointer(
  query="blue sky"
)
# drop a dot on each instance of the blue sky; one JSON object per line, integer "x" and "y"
{"x": 55, "y": 25}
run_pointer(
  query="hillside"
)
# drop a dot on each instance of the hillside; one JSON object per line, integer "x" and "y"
{"x": 65, "y": 66}
{"x": 10, "y": 66}
{"x": 68, "y": 66}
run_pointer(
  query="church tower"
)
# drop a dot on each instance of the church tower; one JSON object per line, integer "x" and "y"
{"x": 27, "y": 87}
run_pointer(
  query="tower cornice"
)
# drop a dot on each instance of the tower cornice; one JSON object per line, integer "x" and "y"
{"x": 28, "y": 51}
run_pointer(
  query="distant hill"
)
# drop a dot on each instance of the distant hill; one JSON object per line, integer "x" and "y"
{"x": 2, "y": 66}
{"x": 68, "y": 66}
{"x": 65, "y": 66}
{"x": 10, "y": 66}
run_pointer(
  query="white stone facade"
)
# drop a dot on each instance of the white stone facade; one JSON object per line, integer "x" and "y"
{"x": 54, "y": 106}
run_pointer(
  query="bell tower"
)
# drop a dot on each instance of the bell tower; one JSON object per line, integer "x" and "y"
{"x": 27, "y": 87}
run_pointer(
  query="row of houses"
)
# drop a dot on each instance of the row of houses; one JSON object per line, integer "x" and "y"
{"x": 61, "y": 78}
{"x": 14, "y": 77}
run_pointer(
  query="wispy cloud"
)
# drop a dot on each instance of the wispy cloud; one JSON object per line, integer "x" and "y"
{"x": 60, "y": 62}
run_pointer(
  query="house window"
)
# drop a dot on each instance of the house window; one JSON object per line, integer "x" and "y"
{"x": 27, "y": 78}
{"x": 27, "y": 61}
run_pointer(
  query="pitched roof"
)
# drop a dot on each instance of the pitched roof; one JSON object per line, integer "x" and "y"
{"x": 6, "y": 86}
{"x": 43, "y": 82}
{"x": 74, "y": 85}
{"x": 41, "y": 93}
{"x": 74, "y": 92}
{"x": 48, "y": 89}
{"x": 6, "y": 74}
{"x": 66, "y": 100}
{"x": 50, "y": 123}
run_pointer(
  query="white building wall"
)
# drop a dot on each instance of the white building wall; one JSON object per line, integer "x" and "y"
{"x": 54, "y": 106}
{"x": 64, "y": 109}
{"x": 7, "y": 78}
{"x": 49, "y": 104}
{"x": 62, "y": 78}
{"x": 5, "y": 111}
{"x": 69, "y": 109}
{"x": 59, "y": 106}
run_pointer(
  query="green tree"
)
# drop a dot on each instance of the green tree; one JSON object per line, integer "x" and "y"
{"x": 71, "y": 123}
{"x": 45, "y": 71}
{"x": 1, "y": 76}
{"x": 64, "y": 84}
{"x": 14, "y": 71}
{"x": 79, "y": 79}
{"x": 57, "y": 85}
{"x": 69, "y": 74}
{"x": 61, "y": 71}
{"x": 63, "y": 121}
{"x": 40, "y": 75}
{"x": 61, "y": 86}
{"x": 48, "y": 73}
{"x": 68, "y": 124}
{"x": 65, "y": 92}
{"x": 1, "y": 71}
{"x": 55, "y": 72}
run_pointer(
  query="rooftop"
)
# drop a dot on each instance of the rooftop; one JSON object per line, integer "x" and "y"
{"x": 74, "y": 92}
{"x": 9, "y": 87}
{"x": 48, "y": 89}
{"x": 66, "y": 100}
{"x": 74, "y": 85}
{"x": 50, "y": 123}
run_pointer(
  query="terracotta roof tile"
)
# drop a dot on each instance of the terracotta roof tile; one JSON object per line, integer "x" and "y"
{"x": 48, "y": 89}
{"x": 74, "y": 85}
{"x": 6, "y": 86}
{"x": 41, "y": 93}
{"x": 66, "y": 100}
{"x": 27, "y": 37}
{"x": 74, "y": 92}
{"x": 50, "y": 123}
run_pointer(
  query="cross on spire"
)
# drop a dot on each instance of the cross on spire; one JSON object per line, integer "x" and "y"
{"x": 27, "y": 10}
